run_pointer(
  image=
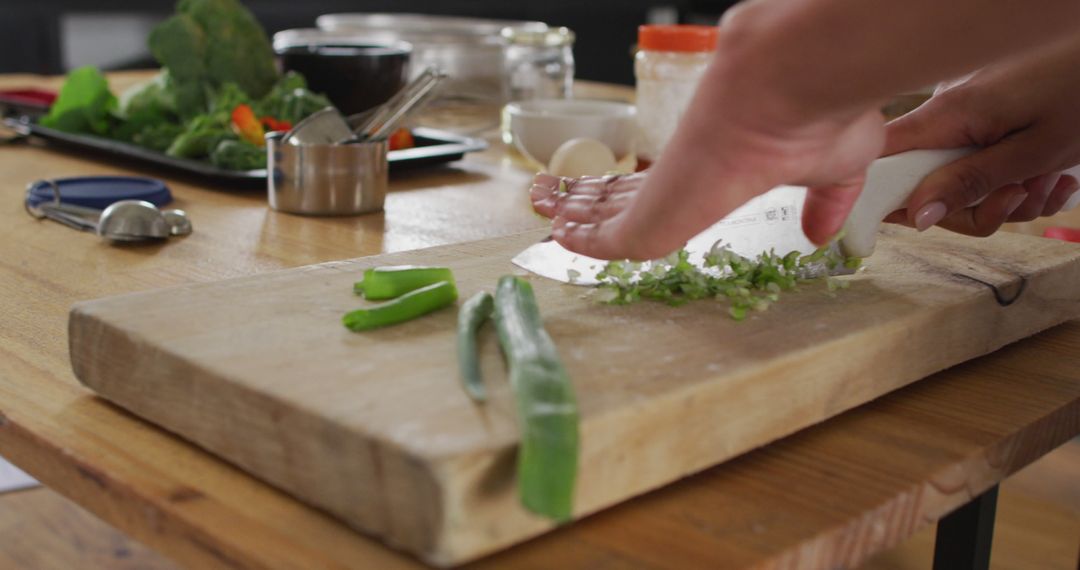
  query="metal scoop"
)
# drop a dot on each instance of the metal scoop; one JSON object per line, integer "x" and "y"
{"x": 126, "y": 220}
{"x": 325, "y": 126}
{"x": 385, "y": 119}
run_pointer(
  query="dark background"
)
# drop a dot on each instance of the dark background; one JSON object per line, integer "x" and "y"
{"x": 45, "y": 36}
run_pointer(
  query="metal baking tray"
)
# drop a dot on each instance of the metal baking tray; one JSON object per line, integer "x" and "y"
{"x": 433, "y": 147}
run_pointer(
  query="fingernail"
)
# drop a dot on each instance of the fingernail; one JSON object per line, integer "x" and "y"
{"x": 546, "y": 180}
{"x": 1015, "y": 203}
{"x": 558, "y": 233}
{"x": 929, "y": 215}
{"x": 537, "y": 191}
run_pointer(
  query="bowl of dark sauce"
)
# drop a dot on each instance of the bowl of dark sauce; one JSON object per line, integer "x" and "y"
{"x": 355, "y": 74}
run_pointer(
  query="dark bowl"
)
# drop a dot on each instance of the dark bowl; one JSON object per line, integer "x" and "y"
{"x": 354, "y": 76}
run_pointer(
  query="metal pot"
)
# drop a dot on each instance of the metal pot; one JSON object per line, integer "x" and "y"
{"x": 326, "y": 179}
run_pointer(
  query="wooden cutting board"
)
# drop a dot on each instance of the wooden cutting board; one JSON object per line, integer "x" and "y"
{"x": 374, "y": 427}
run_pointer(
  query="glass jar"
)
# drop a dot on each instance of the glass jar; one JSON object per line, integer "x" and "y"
{"x": 667, "y": 67}
{"x": 539, "y": 62}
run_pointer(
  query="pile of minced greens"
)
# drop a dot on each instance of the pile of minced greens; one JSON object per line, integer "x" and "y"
{"x": 217, "y": 70}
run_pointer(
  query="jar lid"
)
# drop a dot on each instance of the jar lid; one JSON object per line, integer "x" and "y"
{"x": 538, "y": 36}
{"x": 677, "y": 38}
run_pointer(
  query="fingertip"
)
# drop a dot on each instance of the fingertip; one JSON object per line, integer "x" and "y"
{"x": 898, "y": 217}
{"x": 929, "y": 215}
{"x": 826, "y": 210}
{"x": 1063, "y": 196}
{"x": 547, "y": 180}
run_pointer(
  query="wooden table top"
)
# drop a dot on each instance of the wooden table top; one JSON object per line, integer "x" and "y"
{"x": 829, "y": 496}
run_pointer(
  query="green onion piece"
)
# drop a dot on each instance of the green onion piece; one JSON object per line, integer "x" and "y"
{"x": 406, "y": 307}
{"x": 471, "y": 317}
{"x": 396, "y": 280}
{"x": 547, "y": 410}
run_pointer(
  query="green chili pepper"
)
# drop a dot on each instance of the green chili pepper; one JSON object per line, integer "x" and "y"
{"x": 406, "y": 307}
{"x": 471, "y": 317}
{"x": 547, "y": 410}
{"x": 393, "y": 281}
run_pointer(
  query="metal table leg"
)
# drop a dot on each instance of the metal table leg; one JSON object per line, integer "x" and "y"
{"x": 964, "y": 536}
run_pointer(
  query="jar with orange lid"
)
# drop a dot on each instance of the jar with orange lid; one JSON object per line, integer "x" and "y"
{"x": 667, "y": 67}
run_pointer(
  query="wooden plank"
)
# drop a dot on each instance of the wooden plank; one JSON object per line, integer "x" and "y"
{"x": 41, "y": 530}
{"x": 374, "y": 428}
{"x": 1038, "y": 522}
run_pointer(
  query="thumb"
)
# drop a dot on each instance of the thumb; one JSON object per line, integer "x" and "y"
{"x": 968, "y": 180}
{"x": 930, "y": 126}
{"x": 827, "y": 208}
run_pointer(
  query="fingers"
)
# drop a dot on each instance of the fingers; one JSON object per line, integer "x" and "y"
{"x": 1066, "y": 187}
{"x": 898, "y": 217}
{"x": 928, "y": 126}
{"x": 617, "y": 237}
{"x": 588, "y": 198}
{"x": 1038, "y": 189}
{"x": 591, "y": 209}
{"x": 987, "y": 217}
{"x": 826, "y": 209}
{"x": 964, "y": 182}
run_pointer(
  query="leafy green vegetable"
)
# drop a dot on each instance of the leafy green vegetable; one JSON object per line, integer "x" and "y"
{"x": 158, "y": 136}
{"x": 238, "y": 155}
{"x": 215, "y": 57}
{"x": 85, "y": 104}
{"x": 201, "y": 137}
{"x": 154, "y": 96}
{"x": 290, "y": 100}
{"x": 746, "y": 284}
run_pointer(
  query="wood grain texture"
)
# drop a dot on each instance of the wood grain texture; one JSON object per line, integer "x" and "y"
{"x": 830, "y": 496}
{"x": 41, "y": 531}
{"x": 375, "y": 429}
{"x": 1037, "y": 526}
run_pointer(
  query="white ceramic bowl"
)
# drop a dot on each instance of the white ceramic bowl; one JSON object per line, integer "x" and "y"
{"x": 538, "y": 127}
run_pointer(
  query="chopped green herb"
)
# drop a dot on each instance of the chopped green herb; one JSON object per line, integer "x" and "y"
{"x": 746, "y": 284}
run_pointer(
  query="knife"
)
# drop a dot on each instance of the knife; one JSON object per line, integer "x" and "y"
{"x": 773, "y": 220}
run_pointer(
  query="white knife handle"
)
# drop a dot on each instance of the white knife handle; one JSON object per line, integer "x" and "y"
{"x": 889, "y": 183}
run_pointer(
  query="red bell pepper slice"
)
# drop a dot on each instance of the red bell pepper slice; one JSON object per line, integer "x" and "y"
{"x": 247, "y": 125}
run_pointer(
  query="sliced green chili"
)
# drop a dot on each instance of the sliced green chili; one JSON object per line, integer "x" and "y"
{"x": 547, "y": 410}
{"x": 406, "y": 307}
{"x": 471, "y": 317}
{"x": 396, "y": 280}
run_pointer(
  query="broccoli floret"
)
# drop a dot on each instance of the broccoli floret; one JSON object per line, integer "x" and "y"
{"x": 208, "y": 43}
{"x": 201, "y": 136}
{"x": 157, "y": 136}
{"x": 155, "y": 95}
{"x": 290, "y": 100}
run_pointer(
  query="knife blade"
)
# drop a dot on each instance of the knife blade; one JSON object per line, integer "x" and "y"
{"x": 773, "y": 220}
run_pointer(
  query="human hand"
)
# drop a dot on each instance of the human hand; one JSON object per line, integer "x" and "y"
{"x": 1025, "y": 116}
{"x": 727, "y": 150}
